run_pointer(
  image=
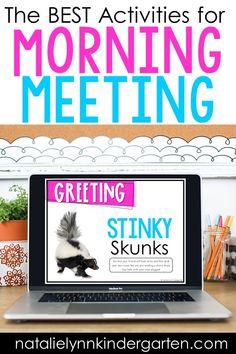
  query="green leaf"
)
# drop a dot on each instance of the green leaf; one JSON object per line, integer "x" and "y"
{"x": 14, "y": 209}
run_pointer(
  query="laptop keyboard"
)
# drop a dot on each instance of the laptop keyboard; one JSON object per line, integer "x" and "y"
{"x": 117, "y": 297}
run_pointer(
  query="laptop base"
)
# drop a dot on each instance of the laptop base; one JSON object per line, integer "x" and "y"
{"x": 204, "y": 307}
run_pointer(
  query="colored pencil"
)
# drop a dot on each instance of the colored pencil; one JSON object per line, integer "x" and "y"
{"x": 214, "y": 268}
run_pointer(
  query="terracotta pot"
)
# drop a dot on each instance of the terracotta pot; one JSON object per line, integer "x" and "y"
{"x": 13, "y": 230}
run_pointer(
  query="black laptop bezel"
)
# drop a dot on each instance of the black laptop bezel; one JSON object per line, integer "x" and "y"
{"x": 36, "y": 278}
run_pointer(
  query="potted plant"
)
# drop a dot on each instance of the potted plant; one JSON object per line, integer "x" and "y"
{"x": 13, "y": 215}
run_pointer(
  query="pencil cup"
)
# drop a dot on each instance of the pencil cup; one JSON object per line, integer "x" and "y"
{"x": 216, "y": 255}
{"x": 231, "y": 260}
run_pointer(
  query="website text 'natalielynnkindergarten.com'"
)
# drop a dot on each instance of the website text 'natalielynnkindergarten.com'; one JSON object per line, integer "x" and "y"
{"x": 122, "y": 343}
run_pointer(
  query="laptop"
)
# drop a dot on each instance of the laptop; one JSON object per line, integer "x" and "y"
{"x": 110, "y": 247}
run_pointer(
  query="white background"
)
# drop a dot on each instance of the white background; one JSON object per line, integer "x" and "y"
{"x": 222, "y": 94}
{"x": 165, "y": 199}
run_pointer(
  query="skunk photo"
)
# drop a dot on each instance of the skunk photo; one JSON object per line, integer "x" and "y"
{"x": 70, "y": 252}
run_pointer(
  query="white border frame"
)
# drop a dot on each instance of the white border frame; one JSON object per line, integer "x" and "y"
{"x": 209, "y": 157}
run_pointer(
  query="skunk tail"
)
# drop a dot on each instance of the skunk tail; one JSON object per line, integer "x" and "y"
{"x": 68, "y": 228}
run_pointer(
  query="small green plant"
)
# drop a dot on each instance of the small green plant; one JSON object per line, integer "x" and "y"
{"x": 15, "y": 209}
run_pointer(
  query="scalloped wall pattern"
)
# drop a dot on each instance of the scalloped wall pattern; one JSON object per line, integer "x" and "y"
{"x": 105, "y": 150}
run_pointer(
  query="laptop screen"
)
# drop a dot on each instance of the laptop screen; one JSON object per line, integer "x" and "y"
{"x": 129, "y": 231}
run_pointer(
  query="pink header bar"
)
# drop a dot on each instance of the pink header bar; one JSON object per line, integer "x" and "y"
{"x": 115, "y": 193}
